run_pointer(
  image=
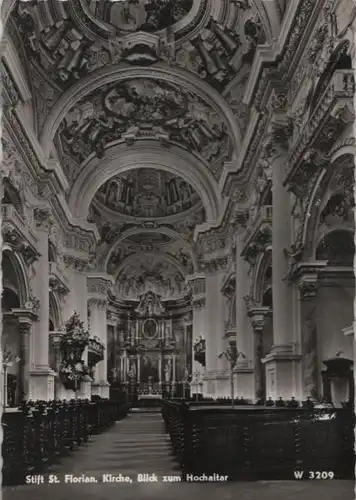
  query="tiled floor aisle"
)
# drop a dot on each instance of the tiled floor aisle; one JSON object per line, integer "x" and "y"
{"x": 138, "y": 445}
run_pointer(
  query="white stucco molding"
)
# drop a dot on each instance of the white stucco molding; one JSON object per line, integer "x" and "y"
{"x": 12, "y": 61}
{"x": 156, "y": 230}
{"x": 266, "y": 54}
{"x": 118, "y": 73}
{"x": 122, "y": 158}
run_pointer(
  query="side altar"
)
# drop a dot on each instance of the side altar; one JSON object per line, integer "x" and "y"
{"x": 152, "y": 359}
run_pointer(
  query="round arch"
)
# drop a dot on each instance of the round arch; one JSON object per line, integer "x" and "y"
{"x": 20, "y": 273}
{"x": 338, "y": 160}
{"x": 264, "y": 262}
{"x": 121, "y": 158}
{"x": 159, "y": 230}
{"x": 134, "y": 257}
{"x": 116, "y": 73}
{"x": 55, "y": 310}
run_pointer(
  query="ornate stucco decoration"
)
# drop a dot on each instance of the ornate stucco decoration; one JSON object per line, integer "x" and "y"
{"x": 149, "y": 272}
{"x": 144, "y": 109}
{"x": 280, "y": 71}
{"x": 16, "y": 236}
{"x": 73, "y": 39}
{"x": 261, "y": 240}
{"x": 10, "y": 93}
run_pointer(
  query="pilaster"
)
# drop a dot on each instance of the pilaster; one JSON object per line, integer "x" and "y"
{"x": 41, "y": 375}
{"x": 306, "y": 278}
{"x": 197, "y": 284}
{"x": 98, "y": 286}
{"x": 244, "y": 372}
{"x": 217, "y": 375}
{"x": 283, "y": 360}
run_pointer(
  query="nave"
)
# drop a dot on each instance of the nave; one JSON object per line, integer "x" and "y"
{"x": 138, "y": 444}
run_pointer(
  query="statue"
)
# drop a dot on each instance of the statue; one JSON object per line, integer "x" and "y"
{"x": 167, "y": 371}
{"x": 131, "y": 372}
{"x": 186, "y": 375}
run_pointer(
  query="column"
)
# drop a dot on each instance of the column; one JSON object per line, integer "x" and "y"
{"x": 282, "y": 363}
{"x": 160, "y": 370}
{"x": 98, "y": 286}
{"x": 244, "y": 372}
{"x": 281, "y": 229}
{"x": 25, "y": 321}
{"x": 174, "y": 359}
{"x": 138, "y": 368}
{"x": 42, "y": 376}
{"x": 97, "y": 323}
{"x": 306, "y": 279}
{"x": 217, "y": 369}
{"x": 197, "y": 284}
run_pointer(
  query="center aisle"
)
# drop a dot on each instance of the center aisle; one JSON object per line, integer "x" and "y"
{"x": 137, "y": 445}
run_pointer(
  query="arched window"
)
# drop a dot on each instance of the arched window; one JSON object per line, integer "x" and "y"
{"x": 9, "y": 300}
{"x": 338, "y": 248}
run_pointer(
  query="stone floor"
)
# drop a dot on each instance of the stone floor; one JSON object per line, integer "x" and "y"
{"x": 138, "y": 445}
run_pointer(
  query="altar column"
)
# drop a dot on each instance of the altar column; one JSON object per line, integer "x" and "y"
{"x": 25, "y": 319}
{"x": 41, "y": 384}
{"x": 98, "y": 286}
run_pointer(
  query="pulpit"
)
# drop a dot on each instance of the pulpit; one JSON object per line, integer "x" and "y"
{"x": 338, "y": 380}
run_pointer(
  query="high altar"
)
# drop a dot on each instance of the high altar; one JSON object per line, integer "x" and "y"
{"x": 150, "y": 354}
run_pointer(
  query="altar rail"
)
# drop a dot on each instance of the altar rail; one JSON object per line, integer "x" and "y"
{"x": 259, "y": 442}
{"x": 39, "y": 433}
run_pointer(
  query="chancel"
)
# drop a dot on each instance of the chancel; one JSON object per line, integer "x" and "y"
{"x": 177, "y": 200}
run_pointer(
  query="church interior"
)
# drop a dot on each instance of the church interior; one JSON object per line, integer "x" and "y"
{"x": 177, "y": 187}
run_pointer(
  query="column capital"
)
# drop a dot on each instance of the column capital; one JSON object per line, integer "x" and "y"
{"x": 25, "y": 317}
{"x": 306, "y": 275}
{"x": 198, "y": 302}
{"x": 257, "y": 316}
{"x": 196, "y": 282}
{"x": 277, "y": 137}
{"x": 100, "y": 303}
{"x": 43, "y": 217}
{"x": 215, "y": 264}
{"x": 76, "y": 263}
{"x": 99, "y": 284}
